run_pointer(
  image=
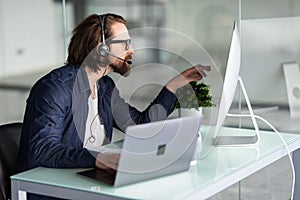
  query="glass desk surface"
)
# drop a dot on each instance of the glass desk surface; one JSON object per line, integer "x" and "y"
{"x": 223, "y": 163}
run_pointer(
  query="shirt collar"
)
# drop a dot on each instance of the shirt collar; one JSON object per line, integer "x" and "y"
{"x": 82, "y": 80}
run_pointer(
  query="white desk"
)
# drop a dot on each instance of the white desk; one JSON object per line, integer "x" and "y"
{"x": 220, "y": 169}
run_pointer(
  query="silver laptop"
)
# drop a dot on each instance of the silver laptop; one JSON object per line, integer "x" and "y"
{"x": 153, "y": 150}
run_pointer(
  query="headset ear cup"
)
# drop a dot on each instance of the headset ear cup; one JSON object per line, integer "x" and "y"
{"x": 104, "y": 50}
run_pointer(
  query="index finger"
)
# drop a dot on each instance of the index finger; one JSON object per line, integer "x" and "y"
{"x": 202, "y": 67}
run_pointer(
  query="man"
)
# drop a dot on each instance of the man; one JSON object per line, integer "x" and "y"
{"x": 72, "y": 110}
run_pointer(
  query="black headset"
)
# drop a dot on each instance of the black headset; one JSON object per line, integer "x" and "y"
{"x": 103, "y": 49}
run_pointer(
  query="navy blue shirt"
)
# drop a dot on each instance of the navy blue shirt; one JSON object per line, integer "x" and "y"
{"x": 56, "y": 113}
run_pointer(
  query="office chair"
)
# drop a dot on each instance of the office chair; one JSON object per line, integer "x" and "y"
{"x": 9, "y": 149}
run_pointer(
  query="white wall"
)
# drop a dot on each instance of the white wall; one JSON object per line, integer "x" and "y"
{"x": 31, "y": 43}
{"x": 257, "y": 9}
{"x": 31, "y": 36}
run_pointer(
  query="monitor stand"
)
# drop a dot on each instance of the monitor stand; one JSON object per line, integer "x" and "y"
{"x": 240, "y": 140}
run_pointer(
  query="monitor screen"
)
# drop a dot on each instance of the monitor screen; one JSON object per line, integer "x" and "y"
{"x": 231, "y": 78}
{"x": 227, "y": 93}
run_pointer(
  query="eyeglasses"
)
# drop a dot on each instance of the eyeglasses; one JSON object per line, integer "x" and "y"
{"x": 126, "y": 42}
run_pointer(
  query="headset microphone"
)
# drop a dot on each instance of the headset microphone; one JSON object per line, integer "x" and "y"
{"x": 129, "y": 62}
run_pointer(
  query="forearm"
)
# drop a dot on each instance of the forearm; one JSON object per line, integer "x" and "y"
{"x": 54, "y": 154}
{"x": 195, "y": 73}
{"x": 126, "y": 115}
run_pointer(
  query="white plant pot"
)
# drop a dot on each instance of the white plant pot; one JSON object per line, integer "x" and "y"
{"x": 186, "y": 112}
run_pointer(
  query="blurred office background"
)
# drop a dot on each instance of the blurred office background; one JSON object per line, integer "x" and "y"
{"x": 34, "y": 36}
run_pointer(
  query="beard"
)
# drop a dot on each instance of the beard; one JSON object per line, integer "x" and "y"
{"x": 121, "y": 67}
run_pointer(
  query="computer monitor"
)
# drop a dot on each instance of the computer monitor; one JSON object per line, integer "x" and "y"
{"x": 231, "y": 79}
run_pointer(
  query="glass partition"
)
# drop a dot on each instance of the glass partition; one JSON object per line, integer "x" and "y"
{"x": 270, "y": 36}
{"x": 34, "y": 36}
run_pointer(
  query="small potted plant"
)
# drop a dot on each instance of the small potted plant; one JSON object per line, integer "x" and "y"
{"x": 192, "y": 97}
